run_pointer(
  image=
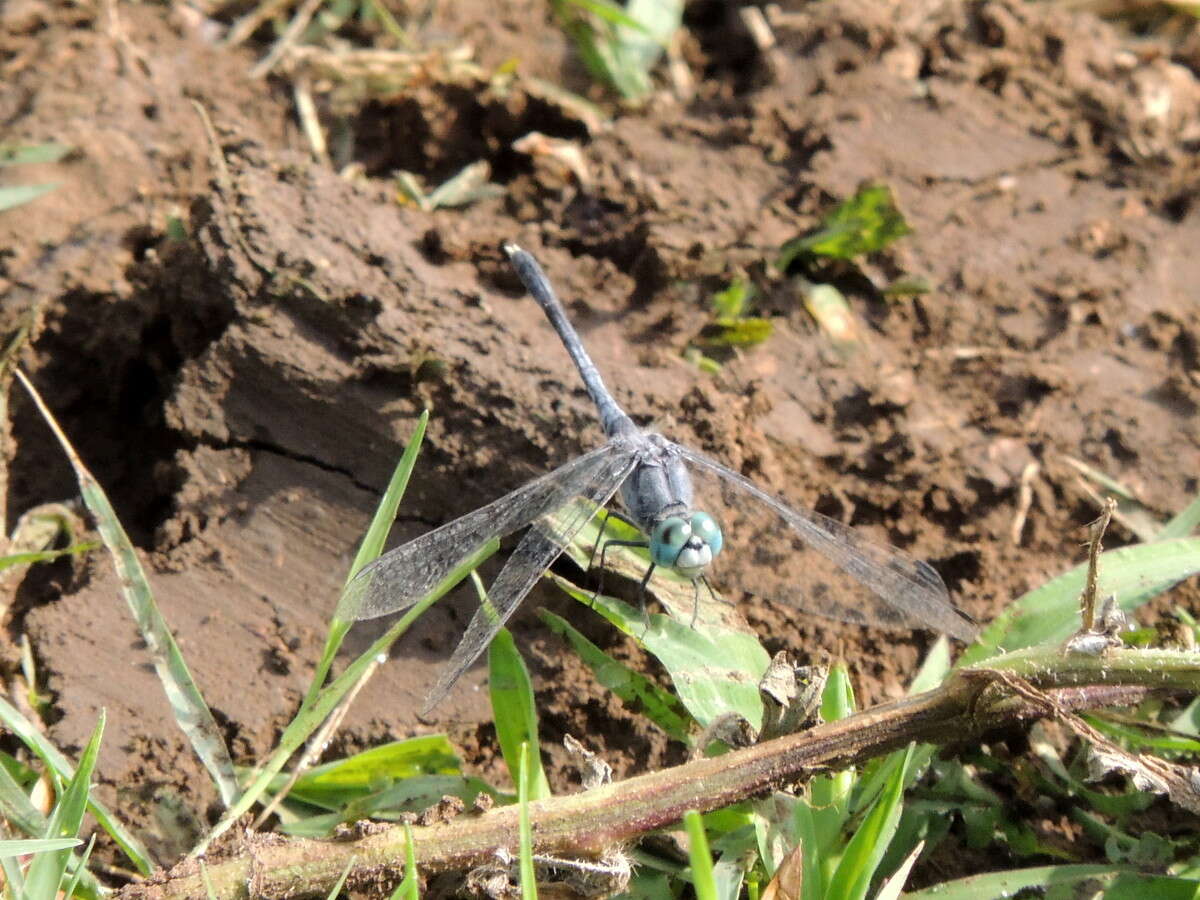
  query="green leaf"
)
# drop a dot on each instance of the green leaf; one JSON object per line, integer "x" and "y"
{"x": 866, "y": 222}
{"x": 25, "y": 154}
{"x": 19, "y": 194}
{"x": 715, "y": 671}
{"x": 46, "y": 871}
{"x": 187, "y": 704}
{"x": 734, "y": 301}
{"x": 728, "y": 332}
{"x": 514, "y": 711}
{"x": 635, "y": 690}
{"x": 1050, "y": 613}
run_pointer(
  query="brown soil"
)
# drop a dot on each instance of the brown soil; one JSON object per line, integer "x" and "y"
{"x": 243, "y": 394}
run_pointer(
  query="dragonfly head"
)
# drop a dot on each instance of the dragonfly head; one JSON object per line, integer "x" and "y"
{"x": 686, "y": 544}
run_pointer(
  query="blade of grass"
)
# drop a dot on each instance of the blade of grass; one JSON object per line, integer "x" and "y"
{"x": 1011, "y": 882}
{"x": 829, "y": 795}
{"x": 32, "y": 738}
{"x": 336, "y": 890}
{"x": 409, "y": 887}
{"x": 47, "y": 869}
{"x": 19, "y": 194}
{"x": 862, "y": 855}
{"x": 371, "y": 547}
{"x": 191, "y": 712}
{"x": 335, "y": 783}
{"x": 525, "y": 781}
{"x": 890, "y": 889}
{"x": 513, "y": 709}
{"x": 25, "y": 154}
{"x": 309, "y": 718}
{"x": 703, "y": 881}
{"x": 36, "y": 845}
{"x": 1182, "y": 524}
{"x": 73, "y": 883}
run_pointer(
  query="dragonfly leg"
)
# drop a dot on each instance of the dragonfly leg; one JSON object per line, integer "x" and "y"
{"x": 642, "y": 601}
{"x": 604, "y": 550}
{"x": 600, "y": 542}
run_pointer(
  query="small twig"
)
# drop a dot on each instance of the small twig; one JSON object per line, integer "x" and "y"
{"x": 1024, "y": 500}
{"x": 290, "y": 35}
{"x": 1093, "y": 576}
{"x": 248, "y": 24}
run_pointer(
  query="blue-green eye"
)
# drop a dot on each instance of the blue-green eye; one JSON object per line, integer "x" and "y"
{"x": 706, "y": 528}
{"x": 668, "y": 540}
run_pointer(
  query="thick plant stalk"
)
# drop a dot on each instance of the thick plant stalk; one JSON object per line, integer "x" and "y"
{"x": 1013, "y": 688}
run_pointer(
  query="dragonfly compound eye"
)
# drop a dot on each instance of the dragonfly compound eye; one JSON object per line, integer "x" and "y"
{"x": 706, "y": 528}
{"x": 668, "y": 539}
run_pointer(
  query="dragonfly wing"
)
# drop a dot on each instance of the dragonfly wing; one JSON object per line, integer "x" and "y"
{"x": 768, "y": 548}
{"x": 538, "y": 549}
{"x": 402, "y": 577}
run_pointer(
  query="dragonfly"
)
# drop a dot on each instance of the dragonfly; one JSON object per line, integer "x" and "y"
{"x": 771, "y": 542}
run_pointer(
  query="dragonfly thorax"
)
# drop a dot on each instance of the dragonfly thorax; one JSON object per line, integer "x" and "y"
{"x": 686, "y": 543}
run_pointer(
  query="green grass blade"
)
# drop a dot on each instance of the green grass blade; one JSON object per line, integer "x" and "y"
{"x": 1050, "y": 613}
{"x": 37, "y": 556}
{"x": 191, "y": 712}
{"x": 371, "y": 547}
{"x": 635, "y": 690}
{"x": 37, "y": 845}
{"x": 890, "y": 889}
{"x": 514, "y": 711}
{"x": 16, "y": 807}
{"x": 20, "y": 194}
{"x": 309, "y": 718}
{"x": 26, "y": 154}
{"x": 852, "y": 878}
{"x": 1183, "y": 524}
{"x": 829, "y": 795}
{"x": 73, "y": 883}
{"x": 47, "y": 869}
{"x": 337, "y": 887}
{"x": 409, "y": 887}
{"x": 527, "y": 761}
{"x": 390, "y": 802}
{"x": 1010, "y": 882}
{"x": 334, "y": 784}
{"x": 32, "y": 738}
{"x": 14, "y": 877}
{"x": 703, "y": 881}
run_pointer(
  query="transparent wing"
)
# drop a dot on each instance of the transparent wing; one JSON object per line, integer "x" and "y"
{"x": 537, "y": 550}
{"x": 402, "y": 577}
{"x": 768, "y": 553}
